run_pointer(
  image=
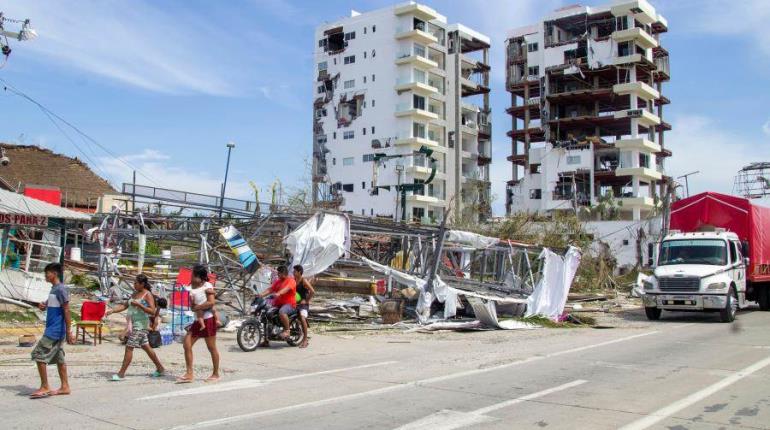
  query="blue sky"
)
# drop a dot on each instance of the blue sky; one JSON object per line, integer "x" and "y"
{"x": 166, "y": 85}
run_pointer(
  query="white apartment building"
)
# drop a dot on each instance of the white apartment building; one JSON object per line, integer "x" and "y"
{"x": 587, "y": 110}
{"x": 389, "y": 82}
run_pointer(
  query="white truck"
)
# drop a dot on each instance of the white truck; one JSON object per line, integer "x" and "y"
{"x": 699, "y": 271}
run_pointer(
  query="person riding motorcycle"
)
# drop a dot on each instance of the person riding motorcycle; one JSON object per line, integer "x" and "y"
{"x": 284, "y": 289}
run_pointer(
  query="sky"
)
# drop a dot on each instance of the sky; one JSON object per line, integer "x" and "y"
{"x": 164, "y": 86}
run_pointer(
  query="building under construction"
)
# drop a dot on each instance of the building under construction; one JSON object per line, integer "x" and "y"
{"x": 587, "y": 110}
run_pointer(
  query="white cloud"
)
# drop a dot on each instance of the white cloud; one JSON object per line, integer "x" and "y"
{"x": 164, "y": 173}
{"x": 154, "y": 47}
{"x": 701, "y": 143}
{"x": 747, "y": 19}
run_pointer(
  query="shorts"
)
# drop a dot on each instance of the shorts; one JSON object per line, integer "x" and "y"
{"x": 209, "y": 328}
{"x": 303, "y": 310}
{"x": 286, "y": 309}
{"x": 49, "y": 351}
{"x": 137, "y": 339}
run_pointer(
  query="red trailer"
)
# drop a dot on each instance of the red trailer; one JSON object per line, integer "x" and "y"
{"x": 749, "y": 221}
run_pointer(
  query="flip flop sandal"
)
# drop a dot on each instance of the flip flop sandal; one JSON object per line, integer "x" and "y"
{"x": 116, "y": 378}
{"x": 40, "y": 395}
{"x": 157, "y": 374}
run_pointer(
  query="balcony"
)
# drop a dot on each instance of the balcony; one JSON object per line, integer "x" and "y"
{"x": 647, "y": 203}
{"x": 418, "y": 35}
{"x": 645, "y": 117}
{"x": 415, "y": 143}
{"x": 418, "y": 11}
{"x": 415, "y": 59}
{"x": 404, "y": 110}
{"x": 636, "y": 34}
{"x": 430, "y": 200}
{"x": 639, "y": 88}
{"x": 641, "y": 10}
{"x": 640, "y": 172}
{"x": 641, "y": 144}
{"x": 415, "y": 85}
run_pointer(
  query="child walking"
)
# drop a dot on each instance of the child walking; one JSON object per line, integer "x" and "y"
{"x": 49, "y": 350}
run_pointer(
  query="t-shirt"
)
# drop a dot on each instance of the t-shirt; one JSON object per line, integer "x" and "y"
{"x": 198, "y": 296}
{"x": 54, "y": 318}
{"x": 289, "y": 297}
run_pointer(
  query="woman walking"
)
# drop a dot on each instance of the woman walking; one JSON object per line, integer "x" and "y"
{"x": 140, "y": 307}
{"x": 203, "y": 299}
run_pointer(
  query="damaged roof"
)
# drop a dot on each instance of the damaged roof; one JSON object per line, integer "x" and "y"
{"x": 31, "y": 165}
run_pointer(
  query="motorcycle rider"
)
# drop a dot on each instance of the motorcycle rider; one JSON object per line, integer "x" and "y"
{"x": 285, "y": 291}
{"x": 306, "y": 293}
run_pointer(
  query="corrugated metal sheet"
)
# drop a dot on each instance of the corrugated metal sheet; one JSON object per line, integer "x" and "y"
{"x": 13, "y": 203}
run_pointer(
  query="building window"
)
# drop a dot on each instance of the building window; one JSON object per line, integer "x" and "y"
{"x": 347, "y": 161}
{"x": 322, "y": 43}
{"x": 374, "y": 28}
{"x": 364, "y": 54}
{"x": 334, "y": 135}
{"x": 418, "y": 214}
{"x": 364, "y": 79}
{"x": 368, "y": 158}
{"x": 621, "y": 23}
{"x": 371, "y": 211}
{"x": 350, "y": 36}
{"x": 320, "y": 112}
{"x": 374, "y": 53}
{"x": 372, "y": 78}
{"x": 334, "y": 161}
{"x": 534, "y": 168}
{"x": 372, "y": 129}
{"x": 335, "y": 61}
{"x": 348, "y": 134}
{"x": 321, "y": 89}
{"x": 350, "y": 84}
{"x": 350, "y": 59}
{"x": 625, "y": 242}
{"x": 573, "y": 159}
{"x": 364, "y": 30}
{"x": 532, "y": 47}
{"x": 533, "y": 71}
{"x": 419, "y": 102}
{"x": 536, "y": 194}
{"x": 372, "y": 99}
{"x": 363, "y": 131}
{"x": 322, "y": 66}
{"x": 347, "y": 188}
{"x": 363, "y": 187}
{"x": 418, "y": 130}
{"x": 364, "y": 104}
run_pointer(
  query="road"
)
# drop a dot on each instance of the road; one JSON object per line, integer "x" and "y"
{"x": 685, "y": 372}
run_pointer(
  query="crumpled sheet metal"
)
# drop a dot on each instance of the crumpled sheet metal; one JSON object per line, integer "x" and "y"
{"x": 319, "y": 242}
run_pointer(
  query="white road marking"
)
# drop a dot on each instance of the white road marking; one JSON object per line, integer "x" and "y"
{"x": 253, "y": 383}
{"x": 401, "y": 386}
{"x": 663, "y": 413}
{"x": 451, "y": 420}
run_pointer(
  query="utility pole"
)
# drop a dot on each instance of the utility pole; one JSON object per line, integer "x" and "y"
{"x": 230, "y": 146}
{"x": 687, "y": 182}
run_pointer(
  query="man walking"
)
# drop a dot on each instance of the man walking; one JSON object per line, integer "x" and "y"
{"x": 49, "y": 350}
{"x": 306, "y": 292}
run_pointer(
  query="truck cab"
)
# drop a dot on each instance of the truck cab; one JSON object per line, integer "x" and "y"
{"x": 700, "y": 271}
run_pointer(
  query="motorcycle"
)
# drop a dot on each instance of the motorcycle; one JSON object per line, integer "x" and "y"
{"x": 265, "y": 323}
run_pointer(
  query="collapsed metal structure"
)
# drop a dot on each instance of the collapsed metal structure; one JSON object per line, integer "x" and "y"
{"x": 159, "y": 244}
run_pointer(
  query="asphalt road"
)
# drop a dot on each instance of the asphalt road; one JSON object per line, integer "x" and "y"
{"x": 685, "y": 372}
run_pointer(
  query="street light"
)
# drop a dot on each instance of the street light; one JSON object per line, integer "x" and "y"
{"x": 230, "y": 146}
{"x": 686, "y": 182}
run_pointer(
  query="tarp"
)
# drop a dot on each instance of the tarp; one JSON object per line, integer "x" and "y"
{"x": 470, "y": 239}
{"x": 318, "y": 242}
{"x": 749, "y": 221}
{"x": 550, "y": 294}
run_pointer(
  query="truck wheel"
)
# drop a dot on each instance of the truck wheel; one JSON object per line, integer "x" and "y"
{"x": 653, "y": 314}
{"x": 764, "y": 298}
{"x": 731, "y": 307}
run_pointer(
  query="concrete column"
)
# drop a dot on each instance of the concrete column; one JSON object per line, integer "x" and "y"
{"x": 458, "y": 134}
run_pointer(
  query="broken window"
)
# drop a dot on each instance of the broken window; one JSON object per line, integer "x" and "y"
{"x": 336, "y": 41}
{"x": 347, "y": 188}
{"x": 536, "y": 194}
{"x": 322, "y": 66}
{"x": 320, "y": 112}
{"x": 348, "y": 110}
{"x": 350, "y": 59}
{"x": 419, "y": 24}
{"x": 534, "y": 168}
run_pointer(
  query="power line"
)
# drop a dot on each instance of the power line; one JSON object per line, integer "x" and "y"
{"x": 84, "y": 135}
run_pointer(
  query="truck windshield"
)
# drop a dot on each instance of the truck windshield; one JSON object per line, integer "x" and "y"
{"x": 697, "y": 251}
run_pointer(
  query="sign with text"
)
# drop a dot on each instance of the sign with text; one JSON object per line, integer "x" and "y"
{"x": 22, "y": 219}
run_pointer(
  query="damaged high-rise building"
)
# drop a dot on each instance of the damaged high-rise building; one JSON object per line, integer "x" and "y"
{"x": 392, "y": 82}
{"x": 587, "y": 109}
